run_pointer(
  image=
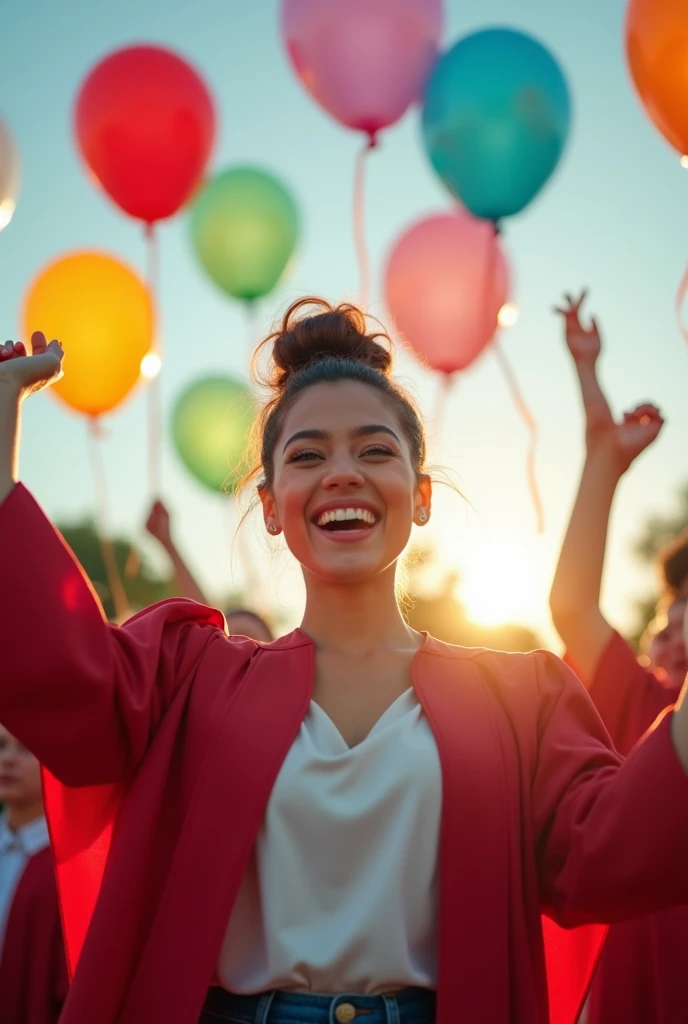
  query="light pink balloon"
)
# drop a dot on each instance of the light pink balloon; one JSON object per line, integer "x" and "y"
{"x": 446, "y": 280}
{"x": 364, "y": 61}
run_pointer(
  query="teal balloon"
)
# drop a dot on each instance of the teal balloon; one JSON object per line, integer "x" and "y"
{"x": 244, "y": 228}
{"x": 496, "y": 117}
{"x": 210, "y": 426}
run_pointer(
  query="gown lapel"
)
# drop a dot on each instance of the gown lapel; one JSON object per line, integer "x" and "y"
{"x": 474, "y": 869}
{"x": 245, "y": 752}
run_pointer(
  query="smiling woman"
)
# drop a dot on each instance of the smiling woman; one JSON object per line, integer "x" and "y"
{"x": 355, "y": 819}
{"x": 341, "y": 446}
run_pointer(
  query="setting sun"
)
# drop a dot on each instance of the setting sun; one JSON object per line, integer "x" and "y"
{"x": 498, "y": 583}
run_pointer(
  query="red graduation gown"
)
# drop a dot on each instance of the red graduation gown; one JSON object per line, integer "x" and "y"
{"x": 164, "y": 739}
{"x": 33, "y": 971}
{"x": 642, "y": 972}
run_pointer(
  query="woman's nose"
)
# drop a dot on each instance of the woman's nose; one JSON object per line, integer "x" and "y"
{"x": 343, "y": 472}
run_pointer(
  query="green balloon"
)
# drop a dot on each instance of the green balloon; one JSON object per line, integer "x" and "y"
{"x": 244, "y": 226}
{"x": 210, "y": 426}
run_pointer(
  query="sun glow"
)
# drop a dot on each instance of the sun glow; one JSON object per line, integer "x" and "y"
{"x": 498, "y": 583}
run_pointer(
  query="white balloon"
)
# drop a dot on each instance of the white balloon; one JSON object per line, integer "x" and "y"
{"x": 9, "y": 175}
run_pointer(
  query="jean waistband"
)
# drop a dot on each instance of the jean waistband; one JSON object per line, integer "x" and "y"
{"x": 410, "y": 1005}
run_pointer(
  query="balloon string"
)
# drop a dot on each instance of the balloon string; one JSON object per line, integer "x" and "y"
{"x": 445, "y": 386}
{"x": 529, "y": 421}
{"x": 680, "y": 300}
{"x": 489, "y": 282}
{"x": 252, "y": 322}
{"x": 359, "y": 222}
{"x": 107, "y": 548}
{"x": 154, "y": 399}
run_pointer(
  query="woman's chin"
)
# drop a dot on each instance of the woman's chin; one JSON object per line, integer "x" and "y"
{"x": 348, "y": 566}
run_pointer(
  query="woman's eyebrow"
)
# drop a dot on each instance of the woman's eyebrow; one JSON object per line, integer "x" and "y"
{"x": 322, "y": 435}
{"x": 375, "y": 428}
{"x": 313, "y": 435}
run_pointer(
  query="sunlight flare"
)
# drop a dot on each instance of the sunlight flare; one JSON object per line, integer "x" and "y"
{"x": 498, "y": 583}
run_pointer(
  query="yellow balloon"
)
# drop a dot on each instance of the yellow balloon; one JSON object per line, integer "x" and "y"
{"x": 101, "y": 313}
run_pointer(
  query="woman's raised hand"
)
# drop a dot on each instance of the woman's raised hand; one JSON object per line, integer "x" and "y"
{"x": 25, "y": 373}
{"x": 158, "y": 524}
{"x": 638, "y": 430}
{"x": 584, "y": 343}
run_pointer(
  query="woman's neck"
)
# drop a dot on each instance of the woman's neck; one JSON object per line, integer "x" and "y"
{"x": 357, "y": 618}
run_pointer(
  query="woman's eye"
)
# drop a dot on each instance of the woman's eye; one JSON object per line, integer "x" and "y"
{"x": 377, "y": 449}
{"x": 306, "y": 455}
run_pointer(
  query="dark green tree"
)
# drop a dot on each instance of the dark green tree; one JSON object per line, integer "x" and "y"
{"x": 141, "y": 584}
{"x": 658, "y": 530}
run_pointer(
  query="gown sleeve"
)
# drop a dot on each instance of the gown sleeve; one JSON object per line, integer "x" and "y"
{"x": 611, "y": 835}
{"x": 83, "y": 695}
{"x": 627, "y": 696}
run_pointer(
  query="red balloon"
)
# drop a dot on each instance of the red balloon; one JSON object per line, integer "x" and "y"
{"x": 145, "y": 124}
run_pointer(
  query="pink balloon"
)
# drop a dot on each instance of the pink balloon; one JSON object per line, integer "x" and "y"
{"x": 364, "y": 61}
{"x": 445, "y": 282}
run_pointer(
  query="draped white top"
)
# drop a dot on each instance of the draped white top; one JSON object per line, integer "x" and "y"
{"x": 341, "y": 891}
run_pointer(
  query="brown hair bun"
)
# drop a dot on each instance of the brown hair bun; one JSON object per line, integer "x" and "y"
{"x": 318, "y": 343}
{"x": 331, "y": 332}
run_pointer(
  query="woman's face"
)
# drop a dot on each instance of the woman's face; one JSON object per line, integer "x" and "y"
{"x": 244, "y": 624}
{"x": 668, "y": 648}
{"x": 20, "y": 772}
{"x": 344, "y": 492}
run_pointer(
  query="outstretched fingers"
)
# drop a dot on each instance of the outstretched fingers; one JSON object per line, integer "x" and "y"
{"x": 12, "y": 350}
{"x": 39, "y": 343}
{"x": 581, "y": 299}
{"x": 572, "y": 307}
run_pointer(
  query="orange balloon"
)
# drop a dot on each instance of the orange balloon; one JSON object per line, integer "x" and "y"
{"x": 101, "y": 312}
{"x": 657, "y": 51}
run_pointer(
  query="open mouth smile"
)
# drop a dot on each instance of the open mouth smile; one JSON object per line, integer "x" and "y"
{"x": 346, "y": 523}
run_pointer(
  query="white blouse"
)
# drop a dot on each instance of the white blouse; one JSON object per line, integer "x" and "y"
{"x": 341, "y": 890}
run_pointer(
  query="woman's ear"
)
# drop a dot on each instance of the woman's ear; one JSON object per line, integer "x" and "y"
{"x": 423, "y": 507}
{"x": 270, "y": 516}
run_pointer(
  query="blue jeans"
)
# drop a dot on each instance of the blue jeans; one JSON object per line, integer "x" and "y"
{"x": 406, "y": 1006}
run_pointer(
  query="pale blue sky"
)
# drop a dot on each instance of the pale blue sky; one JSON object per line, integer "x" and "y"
{"x": 613, "y": 217}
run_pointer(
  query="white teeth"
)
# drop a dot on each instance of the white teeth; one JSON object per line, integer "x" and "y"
{"x": 340, "y": 514}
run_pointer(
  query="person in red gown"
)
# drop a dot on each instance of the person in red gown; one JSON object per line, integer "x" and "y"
{"x": 353, "y": 820}
{"x": 640, "y": 979}
{"x": 33, "y": 971}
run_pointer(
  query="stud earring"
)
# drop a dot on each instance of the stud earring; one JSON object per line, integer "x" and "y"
{"x": 422, "y": 515}
{"x": 272, "y": 528}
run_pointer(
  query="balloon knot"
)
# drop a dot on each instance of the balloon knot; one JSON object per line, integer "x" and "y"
{"x": 96, "y": 428}
{"x": 372, "y": 140}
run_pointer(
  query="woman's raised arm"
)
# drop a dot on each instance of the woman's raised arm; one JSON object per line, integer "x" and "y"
{"x": 611, "y": 448}
{"x": 85, "y": 696}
